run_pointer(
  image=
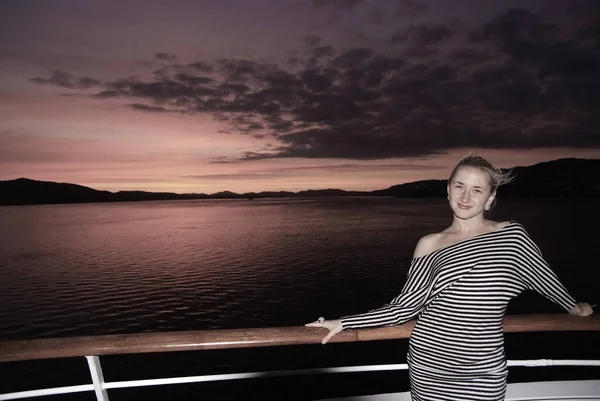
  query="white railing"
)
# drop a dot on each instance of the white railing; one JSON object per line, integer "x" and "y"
{"x": 222, "y": 339}
{"x": 101, "y": 387}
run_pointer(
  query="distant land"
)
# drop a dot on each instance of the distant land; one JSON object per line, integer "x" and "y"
{"x": 558, "y": 178}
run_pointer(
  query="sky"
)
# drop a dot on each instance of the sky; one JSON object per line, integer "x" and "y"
{"x": 265, "y": 95}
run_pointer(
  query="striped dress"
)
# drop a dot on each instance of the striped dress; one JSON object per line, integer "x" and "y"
{"x": 459, "y": 295}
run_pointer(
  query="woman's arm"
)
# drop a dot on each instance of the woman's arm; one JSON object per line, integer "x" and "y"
{"x": 538, "y": 276}
{"x": 401, "y": 309}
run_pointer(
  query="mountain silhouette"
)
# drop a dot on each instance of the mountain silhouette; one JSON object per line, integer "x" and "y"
{"x": 558, "y": 178}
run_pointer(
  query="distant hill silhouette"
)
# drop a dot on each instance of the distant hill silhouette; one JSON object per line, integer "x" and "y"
{"x": 558, "y": 178}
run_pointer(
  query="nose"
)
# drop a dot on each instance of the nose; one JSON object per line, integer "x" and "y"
{"x": 464, "y": 197}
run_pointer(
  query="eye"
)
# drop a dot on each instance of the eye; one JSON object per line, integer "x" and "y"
{"x": 477, "y": 191}
{"x": 458, "y": 186}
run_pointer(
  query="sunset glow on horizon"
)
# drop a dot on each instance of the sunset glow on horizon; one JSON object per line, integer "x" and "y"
{"x": 202, "y": 96}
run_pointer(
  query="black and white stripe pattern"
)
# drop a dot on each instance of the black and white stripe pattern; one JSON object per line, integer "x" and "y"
{"x": 459, "y": 295}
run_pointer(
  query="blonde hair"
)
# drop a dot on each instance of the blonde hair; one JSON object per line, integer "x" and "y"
{"x": 497, "y": 176}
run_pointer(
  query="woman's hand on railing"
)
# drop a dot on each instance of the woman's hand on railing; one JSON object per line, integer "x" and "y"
{"x": 581, "y": 309}
{"x": 334, "y": 327}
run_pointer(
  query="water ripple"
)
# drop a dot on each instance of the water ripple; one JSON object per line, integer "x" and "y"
{"x": 101, "y": 269}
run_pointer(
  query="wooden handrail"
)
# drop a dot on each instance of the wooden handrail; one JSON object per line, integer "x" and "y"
{"x": 246, "y": 338}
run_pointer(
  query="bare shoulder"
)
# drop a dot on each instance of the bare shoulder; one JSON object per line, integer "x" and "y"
{"x": 427, "y": 244}
{"x": 499, "y": 225}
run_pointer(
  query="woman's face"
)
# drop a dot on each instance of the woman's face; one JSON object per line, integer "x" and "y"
{"x": 470, "y": 192}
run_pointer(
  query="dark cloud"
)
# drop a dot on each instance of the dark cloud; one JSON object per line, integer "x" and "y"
{"x": 423, "y": 35}
{"x": 224, "y": 160}
{"x": 513, "y": 82}
{"x": 323, "y": 51}
{"x": 295, "y": 61}
{"x": 590, "y": 32}
{"x": 160, "y": 91}
{"x": 311, "y": 40}
{"x": 586, "y": 8}
{"x": 227, "y": 89}
{"x": 283, "y": 126}
{"x": 165, "y": 56}
{"x": 333, "y": 10}
{"x": 109, "y": 94}
{"x": 518, "y": 33}
{"x": 565, "y": 69}
{"x": 193, "y": 79}
{"x": 423, "y": 41}
{"x": 318, "y": 80}
{"x": 353, "y": 57}
{"x": 338, "y": 5}
{"x": 202, "y": 67}
{"x": 154, "y": 109}
{"x": 246, "y": 123}
{"x": 409, "y": 9}
{"x": 86, "y": 82}
{"x": 242, "y": 71}
{"x": 375, "y": 16}
{"x": 280, "y": 84}
{"x": 470, "y": 56}
{"x": 419, "y": 52}
{"x": 363, "y": 167}
{"x": 66, "y": 80}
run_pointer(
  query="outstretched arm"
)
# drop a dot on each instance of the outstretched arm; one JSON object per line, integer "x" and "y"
{"x": 538, "y": 276}
{"x": 401, "y": 309}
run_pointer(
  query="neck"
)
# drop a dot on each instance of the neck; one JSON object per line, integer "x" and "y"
{"x": 474, "y": 224}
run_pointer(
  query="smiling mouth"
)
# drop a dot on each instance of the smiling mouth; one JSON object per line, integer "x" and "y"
{"x": 465, "y": 207}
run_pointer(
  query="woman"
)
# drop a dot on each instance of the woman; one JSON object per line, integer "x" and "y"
{"x": 458, "y": 288}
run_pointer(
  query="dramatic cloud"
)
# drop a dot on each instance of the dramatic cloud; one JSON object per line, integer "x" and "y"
{"x": 311, "y": 40}
{"x": 165, "y": 56}
{"x": 410, "y": 9}
{"x": 67, "y": 80}
{"x": 513, "y": 82}
{"x": 424, "y": 35}
{"x": 346, "y": 5}
{"x": 154, "y": 109}
{"x": 202, "y": 67}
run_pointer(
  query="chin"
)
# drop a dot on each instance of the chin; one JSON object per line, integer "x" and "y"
{"x": 465, "y": 214}
{"x": 462, "y": 216}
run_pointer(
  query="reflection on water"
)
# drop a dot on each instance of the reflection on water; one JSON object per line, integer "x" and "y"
{"x": 179, "y": 265}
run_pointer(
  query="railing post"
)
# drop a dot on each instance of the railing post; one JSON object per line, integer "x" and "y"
{"x": 97, "y": 377}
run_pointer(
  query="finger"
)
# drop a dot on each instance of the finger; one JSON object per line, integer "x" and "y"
{"x": 314, "y": 324}
{"x": 584, "y": 310}
{"x": 327, "y": 338}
